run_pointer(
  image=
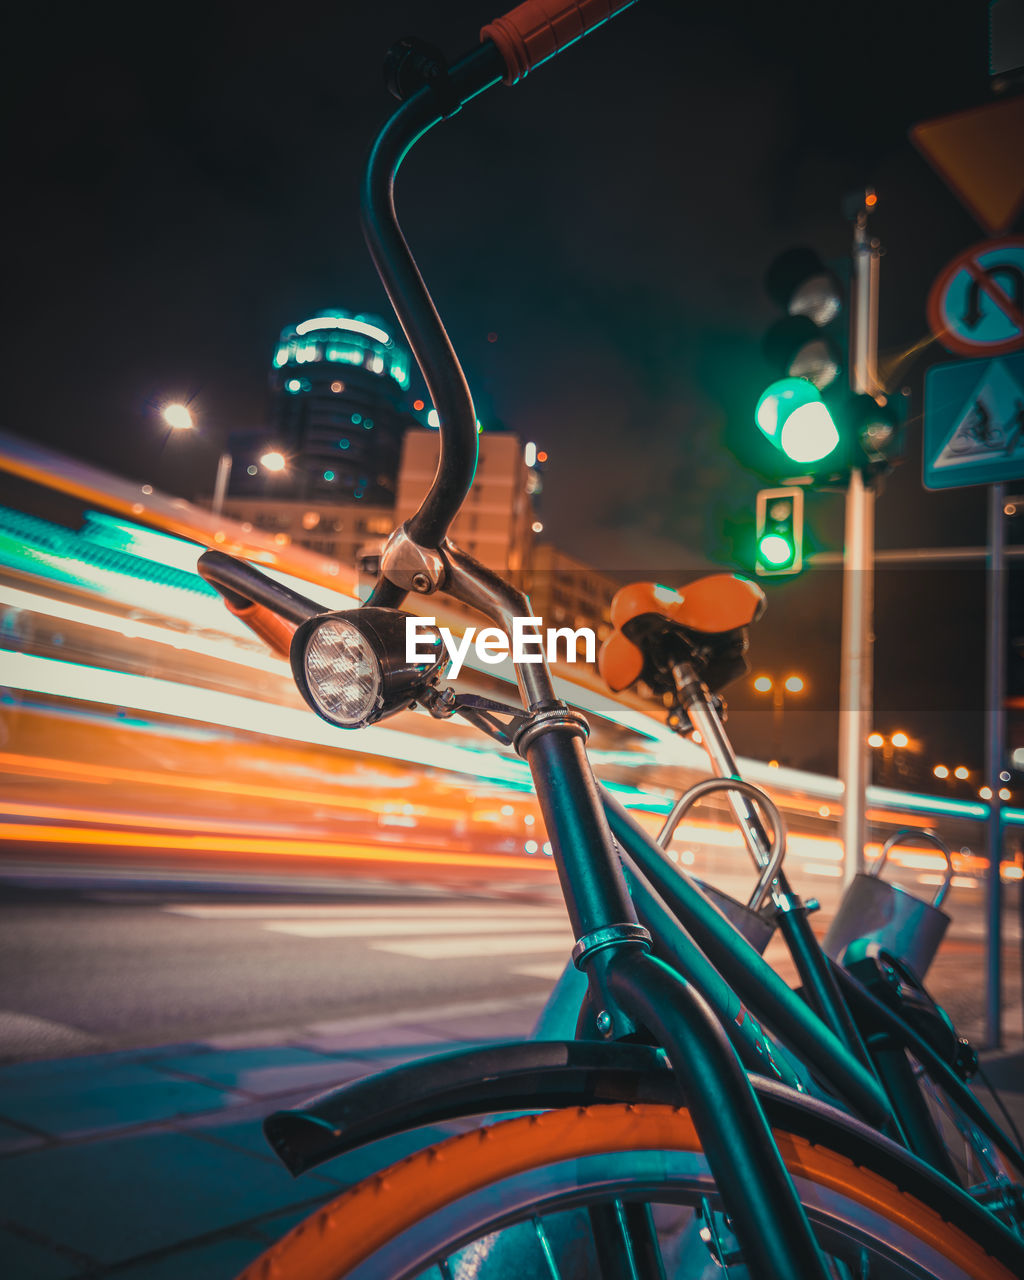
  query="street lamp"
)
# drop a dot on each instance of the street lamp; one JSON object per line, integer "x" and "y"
{"x": 179, "y": 417}
{"x": 898, "y": 741}
{"x": 778, "y": 688}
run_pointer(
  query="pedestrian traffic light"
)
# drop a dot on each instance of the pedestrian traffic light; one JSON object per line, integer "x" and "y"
{"x": 779, "y": 536}
{"x": 810, "y": 414}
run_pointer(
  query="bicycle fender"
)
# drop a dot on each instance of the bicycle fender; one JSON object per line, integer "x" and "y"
{"x": 530, "y": 1075}
{"x": 536, "y": 1075}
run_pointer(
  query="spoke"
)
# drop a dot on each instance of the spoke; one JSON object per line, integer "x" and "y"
{"x": 546, "y": 1249}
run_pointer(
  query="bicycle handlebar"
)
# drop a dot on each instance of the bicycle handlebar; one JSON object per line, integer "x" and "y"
{"x": 242, "y": 584}
{"x": 536, "y": 30}
{"x": 530, "y": 34}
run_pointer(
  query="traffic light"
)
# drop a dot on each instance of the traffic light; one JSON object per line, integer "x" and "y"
{"x": 779, "y": 536}
{"x": 810, "y": 414}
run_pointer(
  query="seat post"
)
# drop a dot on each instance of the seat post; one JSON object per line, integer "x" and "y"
{"x": 698, "y": 703}
{"x": 814, "y": 967}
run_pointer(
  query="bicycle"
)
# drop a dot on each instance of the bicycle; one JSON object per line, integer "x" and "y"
{"x": 655, "y": 1126}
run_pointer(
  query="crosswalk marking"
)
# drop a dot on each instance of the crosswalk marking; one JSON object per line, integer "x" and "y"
{"x": 550, "y": 972}
{"x": 392, "y": 928}
{"x": 460, "y": 948}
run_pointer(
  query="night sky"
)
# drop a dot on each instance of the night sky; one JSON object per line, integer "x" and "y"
{"x": 182, "y": 185}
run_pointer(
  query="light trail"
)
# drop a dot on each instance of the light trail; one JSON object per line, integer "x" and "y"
{"x": 204, "y": 844}
{"x": 81, "y": 771}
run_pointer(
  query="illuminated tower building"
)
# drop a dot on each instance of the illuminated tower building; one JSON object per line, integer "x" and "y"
{"x": 339, "y": 381}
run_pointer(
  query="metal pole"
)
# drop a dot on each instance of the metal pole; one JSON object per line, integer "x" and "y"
{"x": 220, "y": 485}
{"x": 855, "y": 684}
{"x": 995, "y": 738}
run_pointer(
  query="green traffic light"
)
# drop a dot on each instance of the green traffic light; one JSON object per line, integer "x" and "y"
{"x": 775, "y": 550}
{"x": 793, "y": 416}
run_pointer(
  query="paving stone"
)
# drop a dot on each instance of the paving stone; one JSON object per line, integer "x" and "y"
{"x": 65, "y": 1099}
{"x": 342, "y": 1038}
{"x": 23, "y": 1259}
{"x": 14, "y": 1139}
{"x": 133, "y": 1195}
{"x": 218, "y": 1260}
{"x": 260, "y": 1072}
{"x": 512, "y": 1024}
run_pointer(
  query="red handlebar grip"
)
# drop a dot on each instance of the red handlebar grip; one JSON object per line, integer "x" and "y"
{"x": 538, "y": 29}
{"x": 268, "y": 625}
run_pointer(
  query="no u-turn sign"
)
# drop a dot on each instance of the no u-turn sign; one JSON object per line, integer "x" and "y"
{"x": 976, "y": 305}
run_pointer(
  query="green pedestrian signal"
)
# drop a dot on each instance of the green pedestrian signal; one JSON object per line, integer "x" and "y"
{"x": 778, "y": 541}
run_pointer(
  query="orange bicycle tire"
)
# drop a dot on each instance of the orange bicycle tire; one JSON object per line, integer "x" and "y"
{"x": 345, "y": 1232}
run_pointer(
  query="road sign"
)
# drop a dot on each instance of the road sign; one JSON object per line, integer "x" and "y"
{"x": 977, "y": 153}
{"x": 974, "y": 422}
{"x": 976, "y": 305}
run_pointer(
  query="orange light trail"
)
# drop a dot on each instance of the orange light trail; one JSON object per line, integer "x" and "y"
{"x": 79, "y": 771}
{"x": 33, "y": 833}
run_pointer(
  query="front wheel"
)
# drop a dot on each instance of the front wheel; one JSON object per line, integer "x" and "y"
{"x": 457, "y": 1209}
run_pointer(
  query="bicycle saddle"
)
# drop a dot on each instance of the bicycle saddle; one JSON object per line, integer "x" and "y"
{"x": 704, "y": 623}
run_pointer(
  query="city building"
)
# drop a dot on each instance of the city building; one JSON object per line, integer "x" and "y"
{"x": 566, "y": 592}
{"x": 348, "y": 532}
{"x": 339, "y": 382}
{"x": 495, "y": 523}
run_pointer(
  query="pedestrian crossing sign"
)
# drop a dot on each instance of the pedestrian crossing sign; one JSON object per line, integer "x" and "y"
{"x": 974, "y": 422}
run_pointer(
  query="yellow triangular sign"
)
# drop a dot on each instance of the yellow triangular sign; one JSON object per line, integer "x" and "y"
{"x": 980, "y": 155}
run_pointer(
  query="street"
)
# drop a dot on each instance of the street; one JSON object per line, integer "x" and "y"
{"x": 92, "y": 970}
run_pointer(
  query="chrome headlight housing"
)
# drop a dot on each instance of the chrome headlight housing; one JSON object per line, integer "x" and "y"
{"x": 353, "y": 669}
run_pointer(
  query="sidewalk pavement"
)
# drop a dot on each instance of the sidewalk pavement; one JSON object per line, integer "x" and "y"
{"x": 151, "y": 1164}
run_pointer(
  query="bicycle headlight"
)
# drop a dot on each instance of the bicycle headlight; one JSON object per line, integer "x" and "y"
{"x": 354, "y": 668}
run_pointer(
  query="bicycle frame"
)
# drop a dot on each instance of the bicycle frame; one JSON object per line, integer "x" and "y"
{"x": 628, "y": 988}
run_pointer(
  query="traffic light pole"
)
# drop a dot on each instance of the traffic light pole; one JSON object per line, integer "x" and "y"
{"x": 995, "y": 739}
{"x": 855, "y": 685}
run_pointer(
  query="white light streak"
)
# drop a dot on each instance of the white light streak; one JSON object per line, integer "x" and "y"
{"x": 343, "y": 322}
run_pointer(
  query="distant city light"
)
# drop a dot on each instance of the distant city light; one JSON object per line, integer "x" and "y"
{"x": 537, "y": 526}
{"x": 178, "y": 417}
{"x": 875, "y": 740}
{"x": 794, "y": 684}
{"x": 900, "y": 740}
{"x": 961, "y": 772}
{"x": 418, "y": 405}
{"x": 941, "y": 771}
{"x": 530, "y": 454}
{"x": 337, "y": 387}
{"x": 542, "y": 455}
{"x": 1004, "y": 793}
{"x": 274, "y": 460}
{"x": 763, "y": 684}
{"x": 985, "y": 793}
{"x": 432, "y": 419}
